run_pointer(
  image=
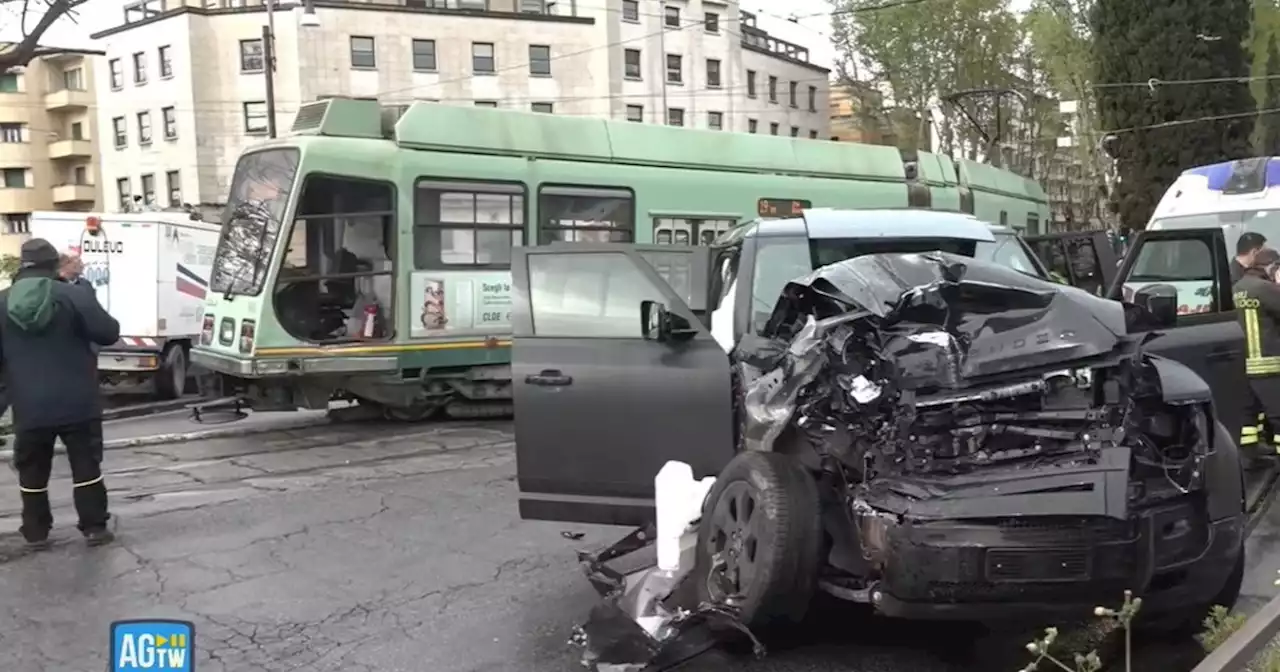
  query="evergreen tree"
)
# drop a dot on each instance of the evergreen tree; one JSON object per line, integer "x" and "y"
{"x": 1271, "y": 101}
{"x": 1138, "y": 40}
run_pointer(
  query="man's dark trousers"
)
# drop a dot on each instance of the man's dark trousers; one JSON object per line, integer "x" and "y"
{"x": 33, "y": 457}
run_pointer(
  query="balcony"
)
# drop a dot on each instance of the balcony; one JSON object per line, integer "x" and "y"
{"x": 67, "y": 99}
{"x": 74, "y": 193}
{"x": 70, "y": 149}
{"x": 20, "y": 199}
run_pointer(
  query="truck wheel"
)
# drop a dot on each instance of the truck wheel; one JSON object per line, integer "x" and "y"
{"x": 1187, "y": 622}
{"x": 759, "y": 540}
{"x": 171, "y": 378}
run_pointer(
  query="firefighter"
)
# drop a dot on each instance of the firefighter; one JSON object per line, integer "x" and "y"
{"x": 1257, "y": 299}
{"x": 47, "y": 330}
{"x": 1247, "y": 248}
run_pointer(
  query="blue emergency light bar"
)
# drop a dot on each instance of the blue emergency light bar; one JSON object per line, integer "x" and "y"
{"x": 1242, "y": 176}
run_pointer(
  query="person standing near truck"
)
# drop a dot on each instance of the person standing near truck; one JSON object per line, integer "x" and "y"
{"x": 1247, "y": 248}
{"x": 47, "y": 329}
{"x": 1257, "y": 300}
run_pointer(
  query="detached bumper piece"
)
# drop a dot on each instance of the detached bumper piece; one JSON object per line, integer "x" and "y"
{"x": 1011, "y": 568}
{"x": 642, "y": 625}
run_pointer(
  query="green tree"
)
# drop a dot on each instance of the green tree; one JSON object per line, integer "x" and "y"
{"x": 1163, "y": 129}
{"x": 922, "y": 52}
{"x": 1269, "y": 138}
{"x": 9, "y": 266}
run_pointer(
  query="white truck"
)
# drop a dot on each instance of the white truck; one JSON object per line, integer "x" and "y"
{"x": 151, "y": 272}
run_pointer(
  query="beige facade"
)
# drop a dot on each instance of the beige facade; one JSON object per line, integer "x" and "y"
{"x": 47, "y": 150}
{"x": 172, "y": 133}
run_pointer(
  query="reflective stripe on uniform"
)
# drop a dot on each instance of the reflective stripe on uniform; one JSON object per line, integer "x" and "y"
{"x": 87, "y": 483}
{"x": 1255, "y": 364}
{"x": 32, "y": 491}
{"x": 1249, "y": 440}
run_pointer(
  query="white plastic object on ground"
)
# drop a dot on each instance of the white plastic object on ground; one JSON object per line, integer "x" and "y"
{"x": 678, "y": 497}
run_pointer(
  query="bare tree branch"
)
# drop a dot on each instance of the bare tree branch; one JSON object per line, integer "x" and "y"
{"x": 21, "y": 53}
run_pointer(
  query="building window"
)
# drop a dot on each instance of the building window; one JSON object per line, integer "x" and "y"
{"x": 773, "y": 89}
{"x": 631, "y": 11}
{"x": 631, "y": 63}
{"x": 255, "y": 117}
{"x": 362, "y": 52}
{"x": 166, "y": 62}
{"x": 467, "y": 224}
{"x": 813, "y": 99}
{"x": 712, "y": 22}
{"x": 251, "y": 56}
{"x": 144, "y": 128}
{"x": 15, "y": 178}
{"x": 635, "y": 113}
{"x": 813, "y": 135}
{"x": 120, "y": 132}
{"x": 671, "y": 17}
{"x": 174, "y": 187}
{"x": 80, "y": 175}
{"x": 773, "y": 128}
{"x": 482, "y": 61}
{"x": 140, "y": 68}
{"x": 149, "y": 189}
{"x": 751, "y": 125}
{"x": 424, "y": 55}
{"x": 675, "y": 116}
{"x": 791, "y": 93}
{"x": 795, "y": 131}
{"x": 170, "y": 118}
{"x": 117, "y": 74}
{"x": 675, "y": 69}
{"x": 751, "y": 83}
{"x": 713, "y": 73}
{"x": 486, "y": 103}
{"x": 77, "y": 130}
{"x": 125, "y": 193}
{"x": 9, "y": 83}
{"x": 539, "y": 60}
{"x": 73, "y": 79}
{"x": 715, "y": 121}
{"x": 11, "y": 132}
{"x": 18, "y": 222}
{"x": 546, "y": 108}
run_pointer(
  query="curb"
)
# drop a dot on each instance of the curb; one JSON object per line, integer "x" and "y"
{"x": 6, "y": 454}
{"x": 134, "y": 410}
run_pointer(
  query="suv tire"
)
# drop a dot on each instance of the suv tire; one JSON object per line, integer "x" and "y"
{"x": 1188, "y": 622}
{"x": 761, "y": 519}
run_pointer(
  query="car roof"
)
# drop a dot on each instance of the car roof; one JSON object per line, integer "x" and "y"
{"x": 876, "y": 223}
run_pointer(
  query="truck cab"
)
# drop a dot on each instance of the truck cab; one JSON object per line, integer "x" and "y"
{"x": 606, "y": 394}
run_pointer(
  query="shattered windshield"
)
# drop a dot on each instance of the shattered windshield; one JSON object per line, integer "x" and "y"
{"x": 1007, "y": 251}
{"x": 781, "y": 260}
{"x": 259, "y": 196}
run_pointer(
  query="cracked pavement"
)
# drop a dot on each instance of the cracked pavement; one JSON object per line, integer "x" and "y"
{"x": 373, "y": 547}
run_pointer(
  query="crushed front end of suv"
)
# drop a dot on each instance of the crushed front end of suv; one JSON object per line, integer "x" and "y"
{"x": 939, "y": 437}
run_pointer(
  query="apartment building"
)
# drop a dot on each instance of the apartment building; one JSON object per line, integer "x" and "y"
{"x": 47, "y": 154}
{"x": 184, "y": 89}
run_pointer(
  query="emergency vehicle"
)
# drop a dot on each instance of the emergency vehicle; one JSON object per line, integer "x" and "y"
{"x": 151, "y": 272}
{"x": 1237, "y": 196}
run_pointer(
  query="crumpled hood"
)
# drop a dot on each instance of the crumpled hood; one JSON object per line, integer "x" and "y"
{"x": 31, "y": 304}
{"x": 991, "y": 318}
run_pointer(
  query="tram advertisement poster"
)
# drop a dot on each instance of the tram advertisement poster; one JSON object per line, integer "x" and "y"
{"x": 459, "y": 302}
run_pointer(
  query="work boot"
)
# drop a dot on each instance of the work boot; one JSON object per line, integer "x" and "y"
{"x": 38, "y": 544}
{"x": 99, "y": 537}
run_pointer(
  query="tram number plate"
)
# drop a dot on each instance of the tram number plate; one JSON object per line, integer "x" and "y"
{"x": 781, "y": 207}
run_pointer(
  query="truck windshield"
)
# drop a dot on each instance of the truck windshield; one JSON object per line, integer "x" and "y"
{"x": 781, "y": 260}
{"x": 1007, "y": 251}
{"x": 256, "y": 206}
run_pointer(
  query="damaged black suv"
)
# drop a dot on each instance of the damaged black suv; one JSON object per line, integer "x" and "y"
{"x": 935, "y": 435}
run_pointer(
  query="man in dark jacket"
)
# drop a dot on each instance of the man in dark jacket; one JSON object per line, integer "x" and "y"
{"x": 47, "y": 328}
{"x": 1247, "y": 248}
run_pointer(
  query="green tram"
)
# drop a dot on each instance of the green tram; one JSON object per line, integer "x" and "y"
{"x": 390, "y": 283}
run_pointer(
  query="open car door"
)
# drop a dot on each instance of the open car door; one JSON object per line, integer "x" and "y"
{"x": 1085, "y": 259}
{"x": 1206, "y": 336}
{"x": 600, "y": 404}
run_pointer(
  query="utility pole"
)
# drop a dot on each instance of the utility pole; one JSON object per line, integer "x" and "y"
{"x": 662, "y": 51}
{"x": 269, "y": 55}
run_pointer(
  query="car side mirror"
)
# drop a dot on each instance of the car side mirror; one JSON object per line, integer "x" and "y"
{"x": 1160, "y": 302}
{"x": 660, "y": 324}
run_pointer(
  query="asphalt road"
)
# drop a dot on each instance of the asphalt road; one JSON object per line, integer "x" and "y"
{"x": 377, "y": 547}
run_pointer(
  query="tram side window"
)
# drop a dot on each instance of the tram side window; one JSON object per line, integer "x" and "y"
{"x": 466, "y": 225}
{"x": 337, "y": 278}
{"x": 585, "y": 215}
{"x": 689, "y": 230}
